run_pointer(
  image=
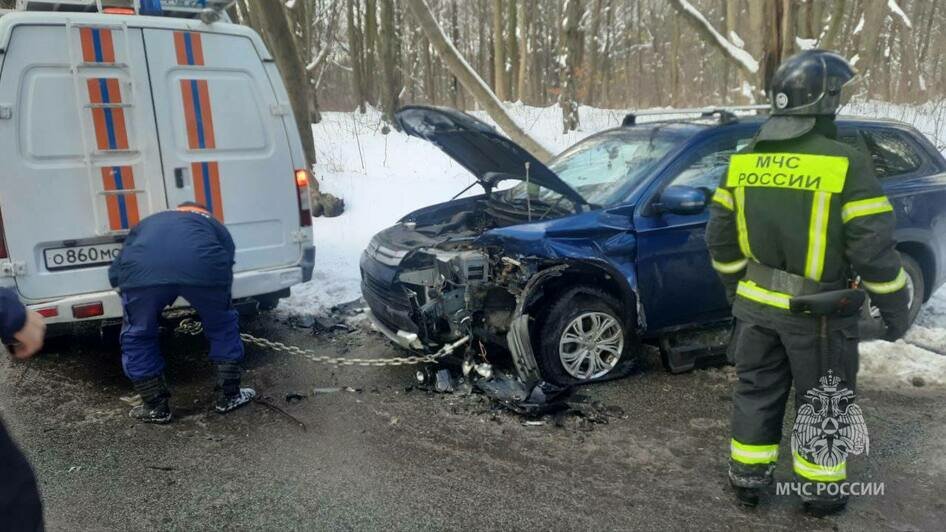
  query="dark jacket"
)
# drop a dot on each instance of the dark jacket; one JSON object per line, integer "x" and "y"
{"x": 12, "y": 314}
{"x": 180, "y": 247}
{"x": 792, "y": 214}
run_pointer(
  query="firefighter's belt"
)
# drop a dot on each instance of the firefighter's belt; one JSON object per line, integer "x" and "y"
{"x": 788, "y": 283}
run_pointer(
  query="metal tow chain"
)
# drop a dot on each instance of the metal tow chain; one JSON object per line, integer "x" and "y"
{"x": 193, "y": 327}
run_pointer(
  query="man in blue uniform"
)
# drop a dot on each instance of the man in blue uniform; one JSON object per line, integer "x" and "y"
{"x": 20, "y": 505}
{"x": 180, "y": 253}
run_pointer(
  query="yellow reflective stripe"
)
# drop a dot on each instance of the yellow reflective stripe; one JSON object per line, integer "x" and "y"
{"x": 740, "y": 194}
{"x": 796, "y": 171}
{"x": 754, "y": 292}
{"x": 724, "y": 198}
{"x": 865, "y": 207}
{"x": 817, "y": 235}
{"x": 753, "y": 454}
{"x": 730, "y": 267}
{"x": 811, "y": 471}
{"x": 888, "y": 287}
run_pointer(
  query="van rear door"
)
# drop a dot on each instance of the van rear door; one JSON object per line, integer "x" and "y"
{"x": 77, "y": 163}
{"x": 223, "y": 140}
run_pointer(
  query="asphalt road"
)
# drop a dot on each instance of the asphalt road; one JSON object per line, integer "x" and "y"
{"x": 649, "y": 452}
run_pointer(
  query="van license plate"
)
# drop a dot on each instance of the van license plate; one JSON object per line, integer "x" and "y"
{"x": 80, "y": 256}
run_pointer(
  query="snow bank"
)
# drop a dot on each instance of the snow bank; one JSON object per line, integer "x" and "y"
{"x": 383, "y": 177}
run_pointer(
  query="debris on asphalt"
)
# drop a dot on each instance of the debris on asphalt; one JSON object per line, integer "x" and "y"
{"x": 268, "y": 403}
{"x": 317, "y": 391}
{"x": 295, "y": 397}
{"x": 132, "y": 400}
{"x": 443, "y": 381}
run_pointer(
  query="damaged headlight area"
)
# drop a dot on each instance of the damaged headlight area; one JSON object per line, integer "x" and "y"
{"x": 459, "y": 292}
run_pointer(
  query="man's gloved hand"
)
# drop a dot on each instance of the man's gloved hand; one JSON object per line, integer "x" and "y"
{"x": 897, "y": 324}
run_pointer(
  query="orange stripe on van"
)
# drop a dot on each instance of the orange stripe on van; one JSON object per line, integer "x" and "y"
{"x": 88, "y": 48}
{"x": 189, "y": 48}
{"x": 123, "y": 210}
{"x": 97, "y": 45}
{"x": 190, "y": 118}
{"x": 207, "y": 190}
{"x": 179, "y": 48}
{"x": 210, "y": 141}
{"x": 108, "y": 46}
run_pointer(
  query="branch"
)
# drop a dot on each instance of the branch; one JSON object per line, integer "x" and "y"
{"x": 742, "y": 58}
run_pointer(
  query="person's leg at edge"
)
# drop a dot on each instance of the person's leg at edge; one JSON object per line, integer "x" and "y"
{"x": 222, "y": 328}
{"x": 141, "y": 354}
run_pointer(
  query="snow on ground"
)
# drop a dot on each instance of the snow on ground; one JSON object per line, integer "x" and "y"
{"x": 383, "y": 177}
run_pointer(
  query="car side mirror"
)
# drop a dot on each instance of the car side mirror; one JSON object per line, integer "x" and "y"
{"x": 682, "y": 200}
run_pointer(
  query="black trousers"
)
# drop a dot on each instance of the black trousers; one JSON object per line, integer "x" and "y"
{"x": 20, "y": 505}
{"x": 772, "y": 350}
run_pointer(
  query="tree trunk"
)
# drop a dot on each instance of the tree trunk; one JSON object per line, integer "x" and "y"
{"x": 571, "y": 44}
{"x": 282, "y": 45}
{"x": 676, "y": 98}
{"x": 499, "y": 53}
{"x": 524, "y": 20}
{"x": 870, "y": 40}
{"x": 830, "y": 41}
{"x": 512, "y": 51}
{"x": 472, "y": 82}
{"x": 907, "y": 89}
{"x": 369, "y": 67}
{"x": 355, "y": 55}
{"x": 594, "y": 54}
{"x": 390, "y": 85}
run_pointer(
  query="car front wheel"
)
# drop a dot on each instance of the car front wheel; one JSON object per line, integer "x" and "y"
{"x": 583, "y": 339}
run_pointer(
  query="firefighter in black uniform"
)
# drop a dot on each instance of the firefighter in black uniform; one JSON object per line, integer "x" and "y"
{"x": 796, "y": 212}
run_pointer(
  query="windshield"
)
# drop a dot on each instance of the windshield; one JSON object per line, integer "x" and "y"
{"x": 602, "y": 165}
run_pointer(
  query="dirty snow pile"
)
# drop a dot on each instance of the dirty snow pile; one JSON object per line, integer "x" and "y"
{"x": 382, "y": 177}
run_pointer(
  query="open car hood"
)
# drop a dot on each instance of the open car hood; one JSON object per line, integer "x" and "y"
{"x": 479, "y": 148}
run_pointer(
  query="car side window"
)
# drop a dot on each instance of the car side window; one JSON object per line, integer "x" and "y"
{"x": 893, "y": 155}
{"x": 707, "y": 169}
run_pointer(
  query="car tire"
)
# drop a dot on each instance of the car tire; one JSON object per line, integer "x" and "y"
{"x": 872, "y": 325}
{"x": 594, "y": 312}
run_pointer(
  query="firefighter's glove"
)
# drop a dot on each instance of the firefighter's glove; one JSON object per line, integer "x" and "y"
{"x": 897, "y": 324}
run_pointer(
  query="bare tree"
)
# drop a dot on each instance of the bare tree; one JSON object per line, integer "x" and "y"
{"x": 390, "y": 84}
{"x": 272, "y": 16}
{"x": 471, "y": 81}
{"x": 571, "y": 48}
{"x": 499, "y": 53}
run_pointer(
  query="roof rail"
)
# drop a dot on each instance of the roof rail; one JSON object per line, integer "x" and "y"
{"x": 726, "y": 114}
{"x": 207, "y": 10}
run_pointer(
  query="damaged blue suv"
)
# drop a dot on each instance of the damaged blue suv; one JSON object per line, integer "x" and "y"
{"x": 577, "y": 262}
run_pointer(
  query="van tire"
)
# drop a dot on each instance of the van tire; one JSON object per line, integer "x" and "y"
{"x": 587, "y": 304}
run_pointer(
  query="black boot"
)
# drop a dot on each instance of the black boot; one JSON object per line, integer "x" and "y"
{"x": 155, "y": 406}
{"x": 824, "y": 501}
{"x": 227, "y": 393}
{"x": 750, "y": 481}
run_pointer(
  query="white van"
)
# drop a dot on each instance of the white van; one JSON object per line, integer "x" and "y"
{"x": 107, "y": 118}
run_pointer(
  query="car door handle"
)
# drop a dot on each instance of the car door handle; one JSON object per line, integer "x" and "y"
{"x": 179, "y": 177}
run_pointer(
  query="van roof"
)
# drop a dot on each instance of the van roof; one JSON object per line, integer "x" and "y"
{"x": 10, "y": 20}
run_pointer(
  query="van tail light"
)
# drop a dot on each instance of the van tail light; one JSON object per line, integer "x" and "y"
{"x": 305, "y": 203}
{"x": 118, "y": 10}
{"x": 48, "y": 312}
{"x": 3, "y": 240}
{"x": 88, "y": 310}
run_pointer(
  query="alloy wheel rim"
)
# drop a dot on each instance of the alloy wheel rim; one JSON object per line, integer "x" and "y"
{"x": 591, "y": 345}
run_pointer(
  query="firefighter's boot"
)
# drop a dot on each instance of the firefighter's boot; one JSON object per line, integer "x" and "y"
{"x": 824, "y": 501}
{"x": 155, "y": 401}
{"x": 227, "y": 393}
{"x": 750, "y": 481}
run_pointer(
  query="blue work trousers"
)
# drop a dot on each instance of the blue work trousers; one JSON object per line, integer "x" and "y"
{"x": 141, "y": 355}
